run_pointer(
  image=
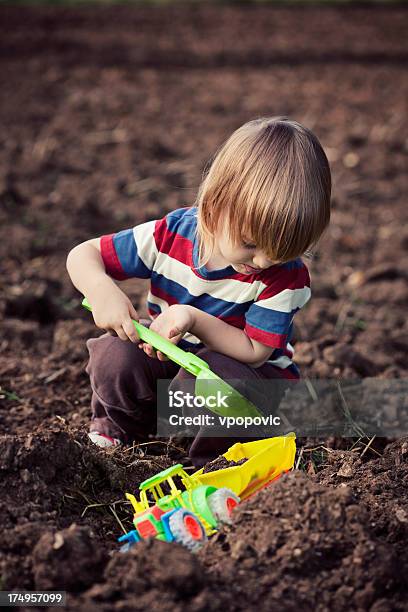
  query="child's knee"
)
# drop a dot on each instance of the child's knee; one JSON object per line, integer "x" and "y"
{"x": 110, "y": 357}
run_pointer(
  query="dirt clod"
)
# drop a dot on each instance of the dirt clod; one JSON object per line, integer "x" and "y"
{"x": 220, "y": 464}
{"x": 67, "y": 560}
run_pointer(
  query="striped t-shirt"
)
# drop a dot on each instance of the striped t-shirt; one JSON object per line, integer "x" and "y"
{"x": 166, "y": 251}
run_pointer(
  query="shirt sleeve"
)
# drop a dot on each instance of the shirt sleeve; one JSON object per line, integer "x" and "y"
{"x": 283, "y": 293}
{"x": 131, "y": 253}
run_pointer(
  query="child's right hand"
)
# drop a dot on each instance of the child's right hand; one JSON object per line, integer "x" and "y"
{"x": 113, "y": 311}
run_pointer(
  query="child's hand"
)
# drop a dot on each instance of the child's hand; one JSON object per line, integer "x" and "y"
{"x": 172, "y": 324}
{"x": 113, "y": 311}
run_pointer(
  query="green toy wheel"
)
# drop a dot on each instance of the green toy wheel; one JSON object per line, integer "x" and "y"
{"x": 221, "y": 503}
{"x": 187, "y": 529}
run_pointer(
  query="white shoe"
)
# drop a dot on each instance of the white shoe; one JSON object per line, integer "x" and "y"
{"x": 103, "y": 440}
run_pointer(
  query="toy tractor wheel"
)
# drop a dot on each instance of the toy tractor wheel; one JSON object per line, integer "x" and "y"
{"x": 221, "y": 503}
{"x": 187, "y": 529}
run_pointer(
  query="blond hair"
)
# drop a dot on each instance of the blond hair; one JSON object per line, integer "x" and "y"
{"x": 270, "y": 183}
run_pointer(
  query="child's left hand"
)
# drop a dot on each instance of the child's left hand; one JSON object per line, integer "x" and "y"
{"x": 172, "y": 324}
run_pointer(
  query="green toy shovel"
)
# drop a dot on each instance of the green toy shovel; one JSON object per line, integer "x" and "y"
{"x": 207, "y": 382}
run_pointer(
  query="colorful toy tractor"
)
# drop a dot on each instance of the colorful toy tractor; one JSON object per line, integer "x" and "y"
{"x": 185, "y": 516}
{"x": 192, "y": 509}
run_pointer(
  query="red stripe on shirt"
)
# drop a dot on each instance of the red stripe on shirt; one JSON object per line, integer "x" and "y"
{"x": 267, "y": 338}
{"x": 290, "y": 279}
{"x": 172, "y": 244}
{"x": 160, "y": 293}
{"x": 288, "y": 353}
{"x": 110, "y": 259}
{"x": 180, "y": 248}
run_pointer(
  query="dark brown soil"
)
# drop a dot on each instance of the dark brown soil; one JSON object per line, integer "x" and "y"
{"x": 220, "y": 463}
{"x": 107, "y": 117}
{"x": 300, "y": 543}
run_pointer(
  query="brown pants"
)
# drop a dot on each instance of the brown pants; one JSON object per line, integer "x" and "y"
{"x": 123, "y": 380}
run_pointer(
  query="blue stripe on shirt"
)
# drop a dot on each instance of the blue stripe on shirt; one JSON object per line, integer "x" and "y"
{"x": 126, "y": 250}
{"x": 182, "y": 222}
{"x": 206, "y": 302}
{"x": 270, "y": 321}
{"x": 293, "y": 265}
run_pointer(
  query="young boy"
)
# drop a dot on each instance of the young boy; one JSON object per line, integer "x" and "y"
{"x": 226, "y": 279}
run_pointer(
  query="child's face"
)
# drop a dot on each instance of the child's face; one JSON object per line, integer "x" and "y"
{"x": 244, "y": 257}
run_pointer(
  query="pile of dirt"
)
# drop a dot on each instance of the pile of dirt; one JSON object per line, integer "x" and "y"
{"x": 301, "y": 544}
{"x": 332, "y": 541}
{"x": 154, "y": 575}
{"x": 380, "y": 486}
{"x": 220, "y": 463}
{"x": 52, "y": 479}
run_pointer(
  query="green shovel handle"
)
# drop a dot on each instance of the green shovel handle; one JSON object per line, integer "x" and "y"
{"x": 188, "y": 361}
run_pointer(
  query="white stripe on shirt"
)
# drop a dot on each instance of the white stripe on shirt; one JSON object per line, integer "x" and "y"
{"x": 230, "y": 290}
{"x": 145, "y": 243}
{"x": 286, "y": 300}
